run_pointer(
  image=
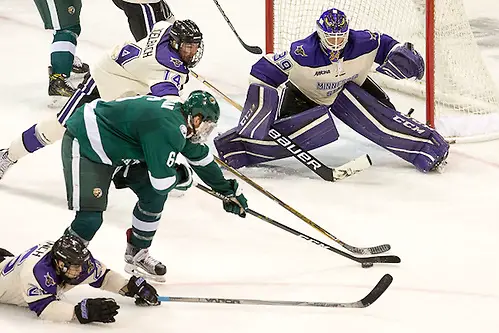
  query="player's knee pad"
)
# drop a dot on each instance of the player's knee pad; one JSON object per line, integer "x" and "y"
{"x": 49, "y": 131}
{"x": 402, "y": 135}
{"x": 252, "y": 141}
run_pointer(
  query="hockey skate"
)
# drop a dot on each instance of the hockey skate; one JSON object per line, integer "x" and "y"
{"x": 79, "y": 67}
{"x": 440, "y": 165}
{"x": 5, "y": 162}
{"x": 60, "y": 89}
{"x": 140, "y": 263}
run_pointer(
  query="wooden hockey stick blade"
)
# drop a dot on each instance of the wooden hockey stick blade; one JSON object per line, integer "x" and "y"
{"x": 352, "y": 167}
{"x": 372, "y": 297}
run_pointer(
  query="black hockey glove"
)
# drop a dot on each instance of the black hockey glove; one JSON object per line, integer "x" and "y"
{"x": 132, "y": 172}
{"x": 4, "y": 254}
{"x": 236, "y": 203}
{"x": 184, "y": 173}
{"x": 102, "y": 310}
{"x": 143, "y": 292}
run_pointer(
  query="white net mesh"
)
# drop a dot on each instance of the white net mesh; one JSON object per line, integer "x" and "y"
{"x": 466, "y": 99}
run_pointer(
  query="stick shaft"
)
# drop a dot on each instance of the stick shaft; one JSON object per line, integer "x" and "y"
{"x": 376, "y": 259}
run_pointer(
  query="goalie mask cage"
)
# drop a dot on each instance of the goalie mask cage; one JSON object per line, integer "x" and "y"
{"x": 462, "y": 101}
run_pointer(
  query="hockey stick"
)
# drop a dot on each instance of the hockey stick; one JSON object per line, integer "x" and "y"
{"x": 329, "y": 174}
{"x": 367, "y": 261}
{"x": 369, "y": 299}
{"x": 252, "y": 49}
{"x": 359, "y": 250}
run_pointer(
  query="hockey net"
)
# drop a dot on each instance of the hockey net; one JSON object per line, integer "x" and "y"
{"x": 461, "y": 97}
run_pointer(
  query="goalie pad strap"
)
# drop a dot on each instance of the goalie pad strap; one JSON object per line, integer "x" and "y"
{"x": 407, "y": 138}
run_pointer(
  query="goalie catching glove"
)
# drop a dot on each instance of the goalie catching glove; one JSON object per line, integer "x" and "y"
{"x": 403, "y": 62}
{"x": 236, "y": 202}
{"x": 143, "y": 292}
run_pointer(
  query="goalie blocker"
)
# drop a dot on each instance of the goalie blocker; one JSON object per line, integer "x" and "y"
{"x": 252, "y": 140}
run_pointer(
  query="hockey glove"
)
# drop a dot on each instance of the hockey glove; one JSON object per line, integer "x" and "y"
{"x": 129, "y": 173}
{"x": 102, "y": 310}
{"x": 184, "y": 173}
{"x": 143, "y": 292}
{"x": 236, "y": 203}
{"x": 403, "y": 62}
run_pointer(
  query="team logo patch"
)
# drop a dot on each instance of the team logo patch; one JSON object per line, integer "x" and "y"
{"x": 183, "y": 130}
{"x": 176, "y": 62}
{"x": 35, "y": 291}
{"x": 300, "y": 51}
{"x": 334, "y": 56}
{"x": 97, "y": 192}
{"x": 49, "y": 280}
{"x": 71, "y": 10}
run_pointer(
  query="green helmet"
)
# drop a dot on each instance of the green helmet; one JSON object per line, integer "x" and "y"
{"x": 201, "y": 103}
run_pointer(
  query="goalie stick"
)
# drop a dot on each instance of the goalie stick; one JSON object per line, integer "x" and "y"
{"x": 369, "y": 299}
{"x": 329, "y": 174}
{"x": 343, "y": 171}
{"x": 358, "y": 250}
{"x": 252, "y": 49}
{"x": 390, "y": 259}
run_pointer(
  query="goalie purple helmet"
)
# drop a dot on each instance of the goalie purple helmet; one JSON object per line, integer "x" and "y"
{"x": 332, "y": 28}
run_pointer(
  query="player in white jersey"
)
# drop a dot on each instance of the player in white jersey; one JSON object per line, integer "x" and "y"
{"x": 38, "y": 277}
{"x": 143, "y": 14}
{"x": 327, "y": 73}
{"x": 157, "y": 65}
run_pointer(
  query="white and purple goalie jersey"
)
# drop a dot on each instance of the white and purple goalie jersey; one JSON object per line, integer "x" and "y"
{"x": 317, "y": 76}
{"x": 149, "y": 66}
{"x": 30, "y": 280}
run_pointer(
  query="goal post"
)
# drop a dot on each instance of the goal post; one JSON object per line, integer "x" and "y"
{"x": 462, "y": 100}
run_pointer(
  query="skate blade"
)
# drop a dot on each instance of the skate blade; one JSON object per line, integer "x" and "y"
{"x": 137, "y": 271}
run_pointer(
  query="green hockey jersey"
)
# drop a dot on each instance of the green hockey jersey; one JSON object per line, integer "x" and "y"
{"x": 145, "y": 128}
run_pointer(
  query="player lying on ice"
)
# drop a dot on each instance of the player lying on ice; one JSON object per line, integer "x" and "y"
{"x": 326, "y": 74}
{"x": 151, "y": 131}
{"x": 38, "y": 277}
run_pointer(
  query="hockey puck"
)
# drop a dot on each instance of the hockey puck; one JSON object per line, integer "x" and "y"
{"x": 367, "y": 264}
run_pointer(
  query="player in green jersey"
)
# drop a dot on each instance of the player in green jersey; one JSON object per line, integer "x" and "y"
{"x": 149, "y": 132}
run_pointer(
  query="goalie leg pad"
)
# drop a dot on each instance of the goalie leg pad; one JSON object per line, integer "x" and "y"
{"x": 259, "y": 112}
{"x": 407, "y": 138}
{"x": 311, "y": 129}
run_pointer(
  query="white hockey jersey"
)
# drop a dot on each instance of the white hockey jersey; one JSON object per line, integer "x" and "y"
{"x": 317, "y": 76}
{"x": 149, "y": 66}
{"x": 30, "y": 280}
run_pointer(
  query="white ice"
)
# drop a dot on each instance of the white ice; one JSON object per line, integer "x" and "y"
{"x": 444, "y": 227}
